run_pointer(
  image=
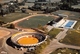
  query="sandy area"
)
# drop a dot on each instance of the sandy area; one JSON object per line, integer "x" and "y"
{"x": 28, "y": 40}
{"x": 4, "y": 33}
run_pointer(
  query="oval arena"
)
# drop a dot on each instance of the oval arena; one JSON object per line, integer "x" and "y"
{"x": 27, "y": 39}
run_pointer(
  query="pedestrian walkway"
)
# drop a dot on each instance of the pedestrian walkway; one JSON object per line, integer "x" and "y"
{"x": 49, "y": 27}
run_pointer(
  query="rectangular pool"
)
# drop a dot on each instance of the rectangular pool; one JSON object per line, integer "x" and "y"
{"x": 69, "y": 24}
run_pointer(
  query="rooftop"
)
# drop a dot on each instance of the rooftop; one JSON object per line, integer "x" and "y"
{"x": 4, "y": 1}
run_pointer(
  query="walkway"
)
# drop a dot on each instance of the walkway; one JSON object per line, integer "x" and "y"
{"x": 49, "y": 27}
{"x": 61, "y": 35}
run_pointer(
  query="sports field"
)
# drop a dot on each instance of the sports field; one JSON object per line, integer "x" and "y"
{"x": 35, "y": 21}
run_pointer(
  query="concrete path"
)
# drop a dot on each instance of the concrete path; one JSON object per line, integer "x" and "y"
{"x": 61, "y": 35}
{"x": 49, "y": 28}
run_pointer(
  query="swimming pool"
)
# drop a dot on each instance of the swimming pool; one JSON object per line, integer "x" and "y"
{"x": 69, "y": 24}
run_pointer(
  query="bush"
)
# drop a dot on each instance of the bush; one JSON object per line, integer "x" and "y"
{"x": 11, "y": 26}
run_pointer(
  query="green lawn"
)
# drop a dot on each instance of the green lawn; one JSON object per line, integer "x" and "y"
{"x": 77, "y": 24}
{"x": 65, "y": 51}
{"x": 13, "y": 16}
{"x": 72, "y": 38}
{"x": 35, "y": 21}
{"x": 53, "y": 33}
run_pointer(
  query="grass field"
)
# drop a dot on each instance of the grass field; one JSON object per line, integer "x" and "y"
{"x": 35, "y": 21}
{"x": 72, "y": 38}
{"x": 13, "y": 16}
{"x": 77, "y": 24}
{"x": 65, "y": 51}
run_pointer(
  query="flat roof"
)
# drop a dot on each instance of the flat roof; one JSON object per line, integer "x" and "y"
{"x": 76, "y": 6}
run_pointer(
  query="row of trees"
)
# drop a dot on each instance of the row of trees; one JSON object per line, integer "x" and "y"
{"x": 67, "y": 5}
{"x": 51, "y": 9}
{"x": 11, "y": 7}
{"x": 8, "y": 8}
